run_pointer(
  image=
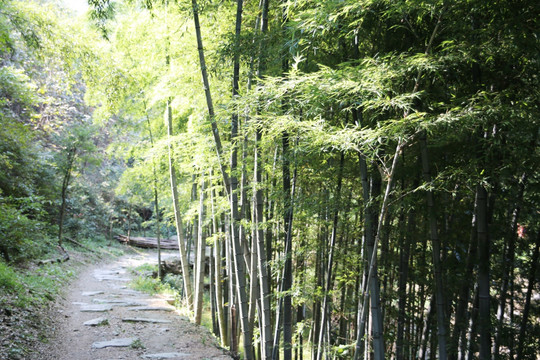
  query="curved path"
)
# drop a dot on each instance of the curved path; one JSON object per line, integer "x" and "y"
{"x": 103, "y": 319}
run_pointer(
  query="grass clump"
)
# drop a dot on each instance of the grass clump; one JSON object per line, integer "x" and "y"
{"x": 137, "y": 344}
{"x": 9, "y": 281}
{"x": 171, "y": 286}
{"x": 146, "y": 282}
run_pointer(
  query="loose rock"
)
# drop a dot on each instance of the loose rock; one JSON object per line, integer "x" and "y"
{"x": 119, "y": 302}
{"x": 147, "y": 320}
{"x": 151, "y": 308}
{"x": 124, "y": 342}
{"x": 96, "y": 308}
{"x": 173, "y": 355}
{"x": 97, "y": 322}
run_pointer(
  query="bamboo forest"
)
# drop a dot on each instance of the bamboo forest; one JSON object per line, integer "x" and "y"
{"x": 308, "y": 179}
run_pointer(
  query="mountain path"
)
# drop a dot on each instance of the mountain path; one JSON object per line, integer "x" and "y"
{"x": 101, "y": 318}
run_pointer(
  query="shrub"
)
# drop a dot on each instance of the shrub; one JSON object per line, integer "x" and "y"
{"x": 21, "y": 237}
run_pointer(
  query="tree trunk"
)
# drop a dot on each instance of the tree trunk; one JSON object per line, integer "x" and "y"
{"x": 325, "y": 312}
{"x": 404, "y": 254}
{"x": 212, "y": 291}
{"x": 158, "y": 225}
{"x": 129, "y": 221}
{"x": 374, "y": 288}
{"x": 470, "y": 344}
{"x": 436, "y": 254}
{"x": 287, "y": 275}
{"x": 265, "y": 325}
{"x": 300, "y": 311}
{"x": 284, "y": 308}
{"x": 177, "y": 216}
{"x": 372, "y": 260}
{"x": 156, "y": 202}
{"x": 208, "y": 94}
{"x": 484, "y": 323}
{"x": 460, "y": 327}
{"x": 508, "y": 264}
{"x": 218, "y": 278}
{"x": 266, "y": 328}
{"x": 254, "y": 281}
{"x": 200, "y": 263}
{"x": 426, "y": 329}
{"x": 287, "y": 222}
{"x": 72, "y": 154}
{"x": 231, "y": 189}
{"x": 527, "y": 307}
{"x": 174, "y": 190}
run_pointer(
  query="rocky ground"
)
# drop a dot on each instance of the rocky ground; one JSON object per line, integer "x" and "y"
{"x": 102, "y": 318}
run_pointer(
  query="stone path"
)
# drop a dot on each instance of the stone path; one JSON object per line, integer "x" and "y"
{"x": 103, "y": 319}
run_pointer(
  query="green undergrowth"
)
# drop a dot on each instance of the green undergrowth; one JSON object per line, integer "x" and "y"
{"x": 33, "y": 286}
{"x": 170, "y": 287}
{"x": 147, "y": 282}
{"x": 31, "y": 283}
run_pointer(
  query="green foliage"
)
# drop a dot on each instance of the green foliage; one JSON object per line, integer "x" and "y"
{"x": 176, "y": 282}
{"x": 31, "y": 288}
{"x": 22, "y": 232}
{"x": 9, "y": 282}
{"x": 149, "y": 285}
{"x": 17, "y": 92}
{"x": 137, "y": 344}
{"x": 46, "y": 130}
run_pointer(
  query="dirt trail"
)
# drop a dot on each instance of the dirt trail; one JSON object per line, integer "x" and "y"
{"x": 133, "y": 325}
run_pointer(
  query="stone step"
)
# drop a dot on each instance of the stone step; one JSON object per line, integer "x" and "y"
{"x": 172, "y": 355}
{"x": 97, "y": 322}
{"x": 151, "y": 308}
{"x": 96, "y": 308}
{"x": 124, "y": 342}
{"x": 147, "y": 320}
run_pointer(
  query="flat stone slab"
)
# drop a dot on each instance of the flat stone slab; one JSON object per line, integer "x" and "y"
{"x": 110, "y": 277}
{"x": 151, "y": 308}
{"x": 146, "y": 320}
{"x": 96, "y": 308}
{"x": 92, "y": 293}
{"x": 122, "y": 291}
{"x": 118, "y": 270}
{"x": 125, "y": 342}
{"x": 107, "y": 272}
{"x": 97, "y": 322}
{"x": 118, "y": 302}
{"x": 172, "y": 355}
{"x": 107, "y": 301}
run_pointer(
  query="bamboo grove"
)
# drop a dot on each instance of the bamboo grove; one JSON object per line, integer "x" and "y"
{"x": 355, "y": 179}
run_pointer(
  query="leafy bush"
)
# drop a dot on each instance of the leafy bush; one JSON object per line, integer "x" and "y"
{"x": 22, "y": 235}
{"x": 148, "y": 285}
{"x": 174, "y": 281}
{"x": 8, "y": 279}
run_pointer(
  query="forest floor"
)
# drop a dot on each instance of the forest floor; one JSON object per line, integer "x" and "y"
{"x": 100, "y": 317}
